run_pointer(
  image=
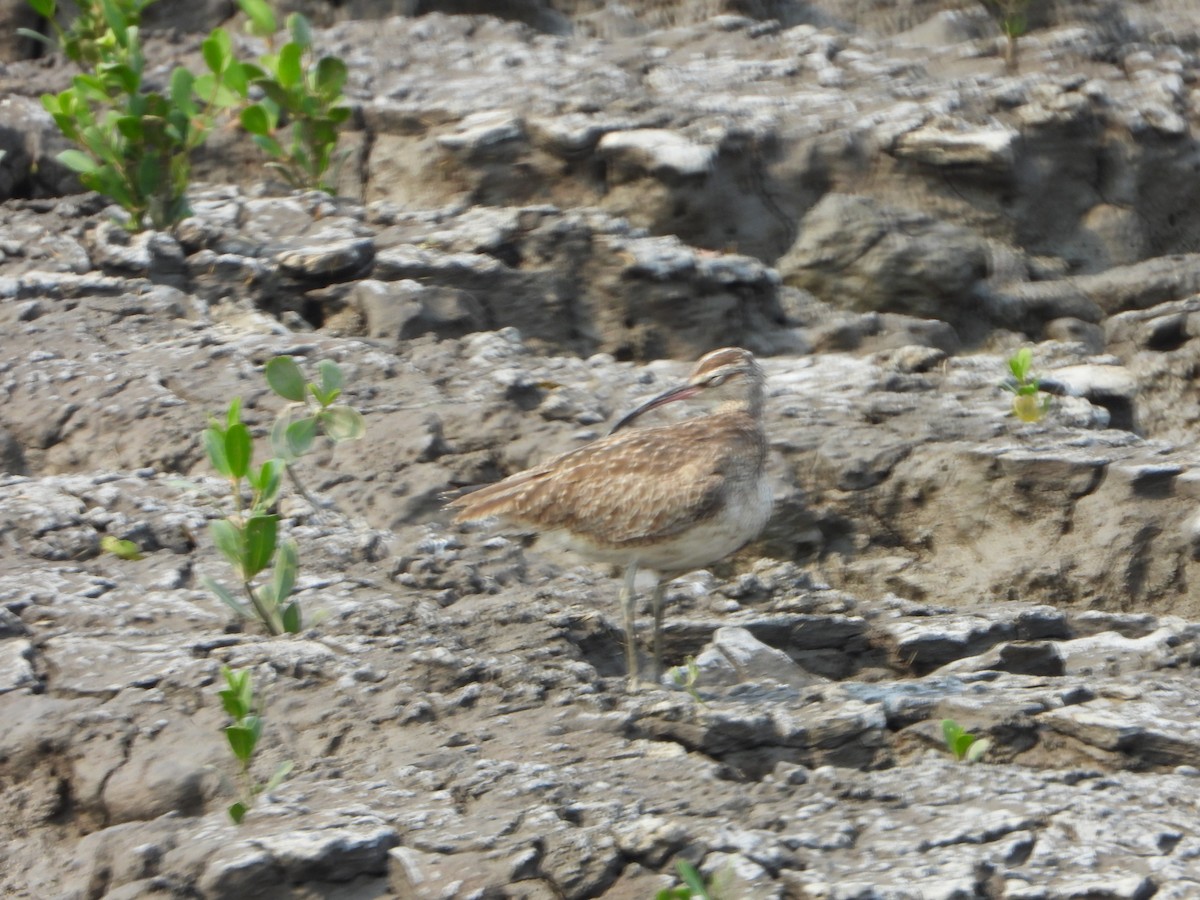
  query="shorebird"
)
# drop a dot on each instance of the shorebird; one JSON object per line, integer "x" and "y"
{"x": 667, "y": 498}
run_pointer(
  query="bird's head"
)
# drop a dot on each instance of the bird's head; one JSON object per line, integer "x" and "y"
{"x": 730, "y": 377}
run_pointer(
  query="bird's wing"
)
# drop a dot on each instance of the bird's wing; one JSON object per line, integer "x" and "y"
{"x": 630, "y": 488}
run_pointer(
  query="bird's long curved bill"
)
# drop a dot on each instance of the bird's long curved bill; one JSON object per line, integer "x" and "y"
{"x": 677, "y": 393}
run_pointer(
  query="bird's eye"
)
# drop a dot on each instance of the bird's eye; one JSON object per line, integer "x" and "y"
{"x": 717, "y": 380}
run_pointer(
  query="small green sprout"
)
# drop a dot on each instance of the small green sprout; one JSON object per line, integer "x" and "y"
{"x": 694, "y": 886}
{"x": 1011, "y": 16}
{"x": 965, "y": 746}
{"x": 686, "y": 677}
{"x": 240, "y": 703}
{"x": 121, "y": 549}
{"x": 1029, "y": 403}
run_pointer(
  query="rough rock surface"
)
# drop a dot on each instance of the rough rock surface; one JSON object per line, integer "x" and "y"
{"x": 547, "y": 216}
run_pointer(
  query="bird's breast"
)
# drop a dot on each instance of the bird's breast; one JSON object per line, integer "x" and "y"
{"x": 739, "y": 520}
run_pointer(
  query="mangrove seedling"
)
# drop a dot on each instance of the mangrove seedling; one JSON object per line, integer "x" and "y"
{"x": 964, "y": 746}
{"x": 243, "y": 735}
{"x": 249, "y": 538}
{"x": 1029, "y": 404}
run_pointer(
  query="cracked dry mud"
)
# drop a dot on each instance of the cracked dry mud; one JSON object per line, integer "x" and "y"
{"x": 904, "y": 216}
{"x": 457, "y": 717}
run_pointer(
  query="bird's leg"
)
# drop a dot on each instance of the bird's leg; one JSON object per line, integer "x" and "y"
{"x": 628, "y": 598}
{"x": 659, "y": 590}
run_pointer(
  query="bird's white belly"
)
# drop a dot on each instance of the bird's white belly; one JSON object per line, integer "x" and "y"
{"x": 704, "y": 543}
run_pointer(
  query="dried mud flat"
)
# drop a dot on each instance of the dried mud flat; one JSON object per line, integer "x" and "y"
{"x": 456, "y": 713}
{"x": 457, "y": 717}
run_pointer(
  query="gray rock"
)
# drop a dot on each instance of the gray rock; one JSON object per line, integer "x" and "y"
{"x": 413, "y": 875}
{"x": 927, "y": 644}
{"x": 654, "y": 151}
{"x": 480, "y": 133}
{"x": 990, "y": 150}
{"x": 16, "y": 669}
{"x": 403, "y": 310}
{"x": 1089, "y": 334}
{"x": 853, "y": 252}
{"x": 163, "y": 773}
{"x": 581, "y": 862}
{"x": 736, "y": 655}
{"x": 329, "y": 259}
{"x": 339, "y": 852}
{"x": 150, "y": 253}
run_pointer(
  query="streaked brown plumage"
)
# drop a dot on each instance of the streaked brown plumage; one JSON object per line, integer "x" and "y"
{"x": 668, "y": 498}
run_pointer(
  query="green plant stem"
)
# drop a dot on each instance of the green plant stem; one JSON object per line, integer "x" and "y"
{"x": 263, "y": 613}
{"x": 299, "y": 486}
{"x": 247, "y": 782}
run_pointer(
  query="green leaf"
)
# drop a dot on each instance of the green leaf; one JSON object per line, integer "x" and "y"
{"x": 1020, "y": 363}
{"x": 229, "y": 540}
{"x": 962, "y": 744}
{"x": 255, "y": 120}
{"x": 332, "y": 378}
{"x": 275, "y": 93}
{"x": 269, "y": 145}
{"x": 182, "y": 84}
{"x": 234, "y": 79}
{"x": 239, "y": 449}
{"x": 261, "y": 16}
{"x": 330, "y": 76}
{"x": 237, "y": 699}
{"x": 290, "y": 70}
{"x": 38, "y": 36}
{"x": 291, "y": 618}
{"x": 227, "y": 598}
{"x": 78, "y": 161}
{"x": 260, "y": 535}
{"x": 127, "y": 550}
{"x": 266, "y": 600}
{"x": 323, "y": 398}
{"x": 342, "y": 423}
{"x": 300, "y": 436}
{"x": 285, "y": 378}
{"x": 689, "y": 876}
{"x": 287, "y": 563}
{"x": 279, "y": 442}
{"x": 252, "y": 71}
{"x": 266, "y": 483}
{"x": 116, "y": 20}
{"x": 977, "y": 749}
{"x": 300, "y": 30}
{"x": 234, "y": 414}
{"x": 237, "y": 812}
{"x": 214, "y": 446}
{"x": 285, "y": 769}
{"x": 242, "y": 738}
{"x": 44, "y": 8}
{"x": 217, "y": 50}
{"x": 124, "y": 77}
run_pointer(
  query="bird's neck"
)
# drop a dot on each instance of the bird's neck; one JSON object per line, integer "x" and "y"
{"x": 744, "y": 406}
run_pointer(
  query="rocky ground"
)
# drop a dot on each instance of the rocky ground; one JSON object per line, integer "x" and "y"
{"x": 543, "y": 222}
